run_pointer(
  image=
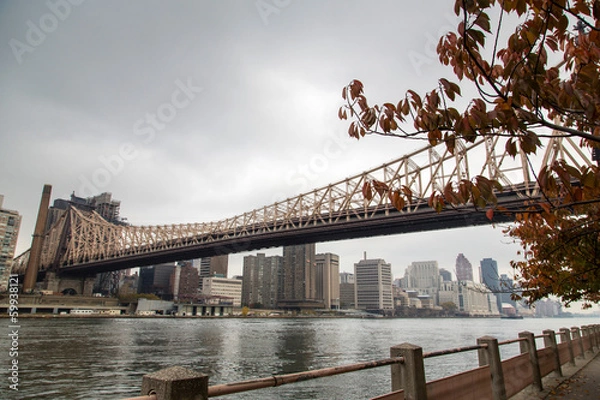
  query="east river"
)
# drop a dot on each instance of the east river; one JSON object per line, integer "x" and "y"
{"x": 103, "y": 358}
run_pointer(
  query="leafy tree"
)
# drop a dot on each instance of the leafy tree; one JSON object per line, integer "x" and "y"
{"x": 545, "y": 77}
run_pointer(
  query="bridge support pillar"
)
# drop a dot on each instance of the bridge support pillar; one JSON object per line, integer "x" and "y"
{"x": 81, "y": 285}
{"x": 35, "y": 253}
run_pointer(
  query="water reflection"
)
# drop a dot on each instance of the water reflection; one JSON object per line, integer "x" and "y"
{"x": 64, "y": 358}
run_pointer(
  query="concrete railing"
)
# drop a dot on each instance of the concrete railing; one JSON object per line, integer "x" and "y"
{"x": 495, "y": 379}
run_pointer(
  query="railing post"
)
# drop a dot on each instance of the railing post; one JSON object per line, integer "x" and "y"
{"x": 577, "y": 336}
{"x": 565, "y": 337}
{"x": 409, "y": 375}
{"x": 550, "y": 341}
{"x": 176, "y": 383}
{"x": 491, "y": 356}
{"x": 592, "y": 329}
{"x": 528, "y": 346}
{"x": 585, "y": 336}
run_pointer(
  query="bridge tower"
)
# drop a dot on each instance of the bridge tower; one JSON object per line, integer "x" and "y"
{"x": 37, "y": 242}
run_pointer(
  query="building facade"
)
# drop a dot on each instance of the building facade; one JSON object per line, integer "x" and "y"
{"x": 262, "y": 277}
{"x": 223, "y": 287}
{"x": 212, "y": 266}
{"x": 423, "y": 277}
{"x": 373, "y": 284}
{"x": 470, "y": 298}
{"x": 10, "y": 222}
{"x": 156, "y": 280}
{"x": 299, "y": 278}
{"x": 184, "y": 282}
{"x": 328, "y": 279}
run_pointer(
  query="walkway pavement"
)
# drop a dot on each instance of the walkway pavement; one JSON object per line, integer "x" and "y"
{"x": 579, "y": 382}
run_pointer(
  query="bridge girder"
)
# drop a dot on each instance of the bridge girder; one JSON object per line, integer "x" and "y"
{"x": 81, "y": 240}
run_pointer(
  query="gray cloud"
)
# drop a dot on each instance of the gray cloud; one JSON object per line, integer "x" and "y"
{"x": 72, "y": 105}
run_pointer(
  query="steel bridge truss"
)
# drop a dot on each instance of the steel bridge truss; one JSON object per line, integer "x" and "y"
{"x": 81, "y": 237}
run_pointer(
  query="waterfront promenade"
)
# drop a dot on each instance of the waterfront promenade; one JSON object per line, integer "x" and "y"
{"x": 579, "y": 382}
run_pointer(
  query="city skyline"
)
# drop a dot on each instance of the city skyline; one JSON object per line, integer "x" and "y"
{"x": 226, "y": 111}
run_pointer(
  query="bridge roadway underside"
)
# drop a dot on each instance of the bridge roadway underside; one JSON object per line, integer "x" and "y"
{"x": 395, "y": 222}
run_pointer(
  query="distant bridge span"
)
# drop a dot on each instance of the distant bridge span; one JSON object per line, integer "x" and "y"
{"x": 83, "y": 243}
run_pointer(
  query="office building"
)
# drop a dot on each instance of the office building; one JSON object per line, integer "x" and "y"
{"x": 488, "y": 271}
{"x": 156, "y": 280}
{"x": 213, "y": 266}
{"x": 328, "y": 279}
{"x": 10, "y": 222}
{"x": 470, "y": 298}
{"x": 222, "y": 287}
{"x": 373, "y": 284}
{"x": 346, "y": 277}
{"x": 261, "y": 280}
{"x": 464, "y": 269}
{"x": 423, "y": 277}
{"x": 346, "y": 290}
{"x": 446, "y": 275}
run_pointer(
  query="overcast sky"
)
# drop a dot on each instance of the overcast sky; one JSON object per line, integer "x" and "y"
{"x": 195, "y": 111}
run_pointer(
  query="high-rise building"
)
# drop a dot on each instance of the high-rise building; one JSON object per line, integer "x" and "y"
{"x": 488, "y": 270}
{"x": 346, "y": 277}
{"x": 346, "y": 290}
{"x": 261, "y": 280}
{"x": 464, "y": 269}
{"x": 213, "y": 266}
{"x": 299, "y": 277}
{"x": 446, "y": 275}
{"x": 328, "y": 279}
{"x": 373, "y": 284}
{"x": 156, "y": 280}
{"x": 506, "y": 290}
{"x": 184, "y": 282}
{"x": 10, "y": 221}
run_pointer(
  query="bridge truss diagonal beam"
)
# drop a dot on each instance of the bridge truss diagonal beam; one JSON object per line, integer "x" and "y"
{"x": 81, "y": 238}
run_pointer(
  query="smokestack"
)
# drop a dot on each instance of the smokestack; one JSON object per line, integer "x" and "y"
{"x": 35, "y": 253}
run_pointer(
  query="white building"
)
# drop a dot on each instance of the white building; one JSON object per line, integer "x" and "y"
{"x": 328, "y": 279}
{"x": 469, "y": 297}
{"x": 373, "y": 285}
{"x": 215, "y": 286}
{"x": 423, "y": 277}
{"x": 10, "y": 222}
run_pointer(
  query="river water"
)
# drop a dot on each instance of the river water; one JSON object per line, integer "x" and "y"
{"x": 103, "y": 358}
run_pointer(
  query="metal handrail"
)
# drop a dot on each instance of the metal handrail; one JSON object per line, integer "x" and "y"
{"x": 452, "y": 351}
{"x": 278, "y": 380}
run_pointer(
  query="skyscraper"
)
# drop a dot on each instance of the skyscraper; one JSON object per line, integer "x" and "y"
{"x": 261, "y": 276}
{"x": 213, "y": 266}
{"x": 373, "y": 284}
{"x": 10, "y": 221}
{"x": 464, "y": 269}
{"x": 446, "y": 275}
{"x": 488, "y": 270}
{"x": 299, "y": 278}
{"x": 328, "y": 279}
